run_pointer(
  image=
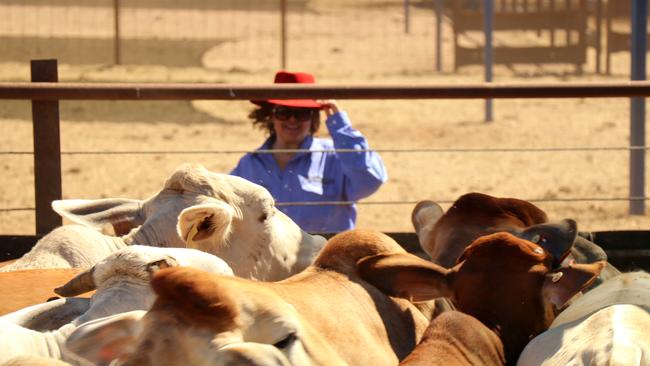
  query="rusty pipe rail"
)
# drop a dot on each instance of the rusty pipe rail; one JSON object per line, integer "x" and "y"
{"x": 44, "y": 91}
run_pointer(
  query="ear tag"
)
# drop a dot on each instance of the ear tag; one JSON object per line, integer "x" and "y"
{"x": 190, "y": 237}
{"x": 535, "y": 239}
{"x": 556, "y": 277}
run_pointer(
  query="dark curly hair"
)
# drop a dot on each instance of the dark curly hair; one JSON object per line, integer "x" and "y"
{"x": 261, "y": 117}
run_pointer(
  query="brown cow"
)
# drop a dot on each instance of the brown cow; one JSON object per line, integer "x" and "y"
{"x": 505, "y": 282}
{"x": 20, "y": 289}
{"x": 444, "y": 235}
{"x": 325, "y": 315}
{"x": 455, "y": 339}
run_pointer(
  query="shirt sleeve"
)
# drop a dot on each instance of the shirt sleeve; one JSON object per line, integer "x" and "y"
{"x": 364, "y": 171}
{"x": 236, "y": 171}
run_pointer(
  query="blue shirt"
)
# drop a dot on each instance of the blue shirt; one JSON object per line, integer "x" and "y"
{"x": 319, "y": 176}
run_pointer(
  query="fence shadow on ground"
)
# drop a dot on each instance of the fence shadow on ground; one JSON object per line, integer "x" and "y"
{"x": 181, "y": 112}
{"x": 182, "y": 52}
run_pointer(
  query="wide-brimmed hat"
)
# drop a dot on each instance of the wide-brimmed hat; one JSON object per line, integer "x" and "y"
{"x": 282, "y": 77}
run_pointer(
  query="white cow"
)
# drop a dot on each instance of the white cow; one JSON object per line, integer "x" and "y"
{"x": 221, "y": 214}
{"x": 121, "y": 282}
{"x": 610, "y": 325}
{"x": 34, "y": 361}
{"x": 68, "y": 246}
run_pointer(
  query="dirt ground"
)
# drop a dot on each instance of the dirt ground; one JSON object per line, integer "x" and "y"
{"x": 588, "y": 186}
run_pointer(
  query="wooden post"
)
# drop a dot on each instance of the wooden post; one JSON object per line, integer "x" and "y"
{"x": 283, "y": 32}
{"x": 47, "y": 150}
{"x": 116, "y": 41}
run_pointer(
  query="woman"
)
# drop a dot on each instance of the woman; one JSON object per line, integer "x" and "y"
{"x": 316, "y": 176}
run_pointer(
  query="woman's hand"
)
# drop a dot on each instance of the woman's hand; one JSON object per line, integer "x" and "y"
{"x": 329, "y": 106}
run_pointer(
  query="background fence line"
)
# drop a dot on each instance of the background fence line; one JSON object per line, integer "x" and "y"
{"x": 379, "y": 150}
{"x": 121, "y": 32}
{"x": 45, "y": 96}
{"x": 412, "y": 203}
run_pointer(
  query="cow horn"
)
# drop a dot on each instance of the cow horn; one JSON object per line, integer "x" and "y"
{"x": 81, "y": 283}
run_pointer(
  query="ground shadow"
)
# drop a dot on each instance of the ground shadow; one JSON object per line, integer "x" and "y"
{"x": 116, "y": 111}
{"x": 182, "y": 52}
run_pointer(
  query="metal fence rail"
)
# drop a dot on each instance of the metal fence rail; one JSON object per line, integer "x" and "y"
{"x": 194, "y": 91}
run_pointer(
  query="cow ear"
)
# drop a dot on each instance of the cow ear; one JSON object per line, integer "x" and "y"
{"x": 106, "y": 339}
{"x": 561, "y": 285}
{"x": 206, "y": 221}
{"x": 424, "y": 216}
{"x": 406, "y": 275}
{"x": 118, "y": 215}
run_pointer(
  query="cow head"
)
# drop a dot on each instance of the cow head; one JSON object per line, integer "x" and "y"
{"x": 121, "y": 280}
{"x": 203, "y": 319}
{"x": 444, "y": 235}
{"x": 218, "y": 213}
{"x": 506, "y": 282}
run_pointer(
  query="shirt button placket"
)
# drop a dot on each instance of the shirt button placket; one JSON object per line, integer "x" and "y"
{"x": 290, "y": 171}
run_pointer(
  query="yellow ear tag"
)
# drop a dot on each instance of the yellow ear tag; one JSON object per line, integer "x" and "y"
{"x": 190, "y": 237}
{"x": 557, "y": 276}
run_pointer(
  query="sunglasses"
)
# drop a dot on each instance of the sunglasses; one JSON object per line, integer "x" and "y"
{"x": 299, "y": 114}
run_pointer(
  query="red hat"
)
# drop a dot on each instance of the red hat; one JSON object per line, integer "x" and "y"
{"x": 282, "y": 77}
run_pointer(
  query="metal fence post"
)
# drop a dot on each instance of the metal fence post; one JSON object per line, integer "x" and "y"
{"x": 117, "y": 41}
{"x": 488, "y": 17}
{"x": 599, "y": 35}
{"x": 407, "y": 17}
{"x": 438, "y": 8}
{"x": 47, "y": 150}
{"x": 283, "y": 33}
{"x": 637, "y": 106}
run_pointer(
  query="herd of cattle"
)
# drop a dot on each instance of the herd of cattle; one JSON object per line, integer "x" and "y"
{"x": 209, "y": 272}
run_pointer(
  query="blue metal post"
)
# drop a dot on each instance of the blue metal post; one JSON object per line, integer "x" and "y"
{"x": 488, "y": 15}
{"x": 637, "y": 106}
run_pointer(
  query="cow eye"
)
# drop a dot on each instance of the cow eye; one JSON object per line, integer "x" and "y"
{"x": 538, "y": 239}
{"x": 287, "y": 341}
{"x": 267, "y": 213}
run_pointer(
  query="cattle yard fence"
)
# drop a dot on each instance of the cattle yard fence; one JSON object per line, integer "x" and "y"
{"x": 183, "y": 33}
{"x": 628, "y": 248}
